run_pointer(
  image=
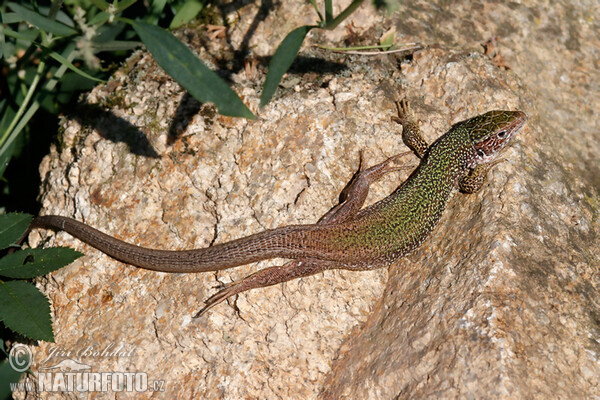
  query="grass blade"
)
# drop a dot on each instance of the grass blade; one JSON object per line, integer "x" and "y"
{"x": 191, "y": 73}
{"x": 186, "y": 13}
{"x": 41, "y": 21}
{"x": 68, "y": 64}
{"x": 282, "y": 60}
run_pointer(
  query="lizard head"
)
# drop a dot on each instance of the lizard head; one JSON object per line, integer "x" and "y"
{"x": 490, "y": 133}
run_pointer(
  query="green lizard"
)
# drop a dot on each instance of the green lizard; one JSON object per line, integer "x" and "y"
{"x": 348, "y": 236}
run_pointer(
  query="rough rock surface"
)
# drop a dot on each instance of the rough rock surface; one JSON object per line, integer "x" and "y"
{"x": 501, "y": 302}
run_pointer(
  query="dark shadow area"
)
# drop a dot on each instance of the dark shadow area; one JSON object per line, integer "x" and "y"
{"x": 19, "y": 187}
{"x": 305, "y": 64}
{"x": 187, "y": 108}
{"x": 241, "y": 53}
{"x": 113, "y": 128}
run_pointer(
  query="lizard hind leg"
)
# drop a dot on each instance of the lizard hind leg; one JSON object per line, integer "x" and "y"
{"x": 268, "y": 277}
{"x": 355, "y": 193}
{"x": 353, "y": 197}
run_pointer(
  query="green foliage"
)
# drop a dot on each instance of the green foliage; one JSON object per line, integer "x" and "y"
{"x": 7, "y": 376}
{"x": 187, "y": 12}
{"x": 41, "y": 22}
{"x": 12, "y": 227}
{"x": 39, "y": 45}
{"x": 189, "y": 71}
{"x": 22, "y": 307}
{"x": 29, "y": 263}
{"x": 282, "y": 60}
{"x": 289, "y": 47}
{"x": 25, "y": 310}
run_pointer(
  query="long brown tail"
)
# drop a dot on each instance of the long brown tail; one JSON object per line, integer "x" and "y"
{"x": 286, "y": 242}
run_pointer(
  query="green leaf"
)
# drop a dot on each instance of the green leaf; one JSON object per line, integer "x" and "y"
{"x": 12, "y": 227}
{"x": 6, "y": 153}
{"x": 388, "y": 38}
{"x": 282, "y": 60}
{"x": 186, "y": 13}
{"x": 29, "y": 263}
{"x": 115, "y": 45}
{"x": 11, "y": 18}
{"x": 41, "y": 21}
{"x": 191, "y": 73}
{"x": 125, "y": 4}
{"x": 2, "y": 43}
{"x": 101, "y": 4}
{"x": 68, "y": 64}
{"x": 24, "y": 309}
{"x": 27, "y": 36}
{"x": 7, "y": 376}
{"x": 99, "y": 18}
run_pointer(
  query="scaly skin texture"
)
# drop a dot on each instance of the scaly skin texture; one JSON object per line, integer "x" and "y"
{"x": 347, "y": 236}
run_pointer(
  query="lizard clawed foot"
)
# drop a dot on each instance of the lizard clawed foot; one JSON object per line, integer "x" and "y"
{"x": 376, "y": 172}
{"x": 404, "y": 112}
{"x": 411, "y": 133}
{"x": 227, "y": 290}
{"x": 495, "y": 162}
{"x": 473, "y": 182}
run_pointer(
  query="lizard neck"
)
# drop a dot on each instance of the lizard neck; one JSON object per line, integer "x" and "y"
{"x": 419, "y": 202}
{"x": 446, "y": 160}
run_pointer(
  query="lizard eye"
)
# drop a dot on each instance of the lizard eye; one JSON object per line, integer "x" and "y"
{"x": 481, "y": 153}
{"x": 501, "y": 134}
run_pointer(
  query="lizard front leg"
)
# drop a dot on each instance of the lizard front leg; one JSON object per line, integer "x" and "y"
{"x": 411, "y": 133}
{"x": 474, "y": 180}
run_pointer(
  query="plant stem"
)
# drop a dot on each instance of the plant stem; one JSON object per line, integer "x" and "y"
{"x": 28, "y": 96}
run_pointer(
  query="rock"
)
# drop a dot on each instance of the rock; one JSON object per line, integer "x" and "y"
{"x": 499, "y": 303}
